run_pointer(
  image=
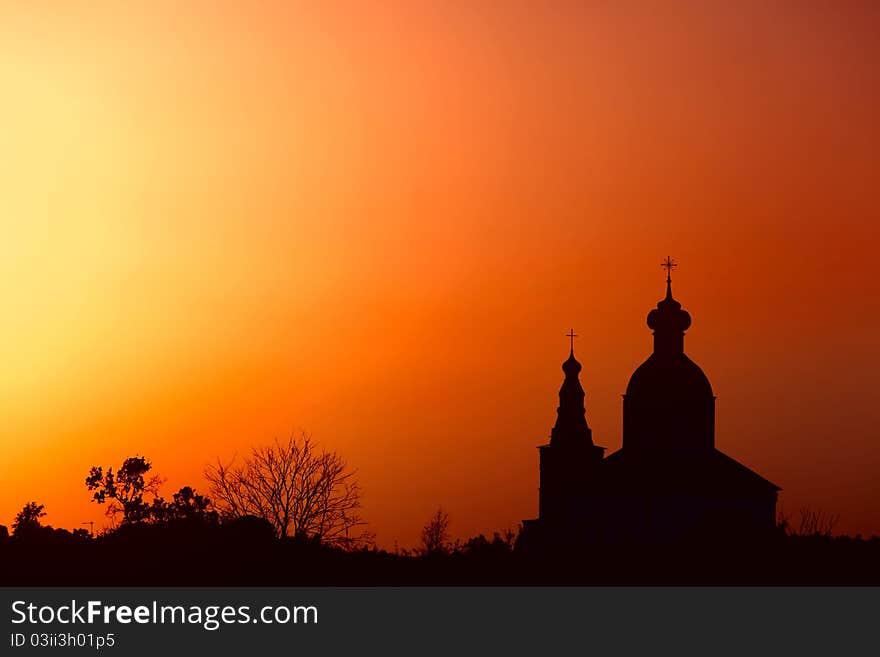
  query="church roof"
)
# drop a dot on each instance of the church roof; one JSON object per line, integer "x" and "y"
{"x": 670, "y": 471}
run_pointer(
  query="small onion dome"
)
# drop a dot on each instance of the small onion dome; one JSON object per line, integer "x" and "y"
{"x": 668, "y": 317}
{"x": 571, "y": 367}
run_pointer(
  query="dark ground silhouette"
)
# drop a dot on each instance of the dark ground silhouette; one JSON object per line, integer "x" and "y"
{"x": 246, "y": 552}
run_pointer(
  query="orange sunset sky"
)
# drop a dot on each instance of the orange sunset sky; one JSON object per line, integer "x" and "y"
{"x": 226, "y": 221}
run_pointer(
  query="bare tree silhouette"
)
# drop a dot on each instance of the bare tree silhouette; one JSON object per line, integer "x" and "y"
{"x": 435, "y": 535}
{"x": 811, "y": 522}
{"x": 300, "y": 488}
{"x": 816, "y": 522}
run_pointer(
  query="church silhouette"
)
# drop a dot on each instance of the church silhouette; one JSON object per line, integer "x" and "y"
{"x": 668, "y": 482}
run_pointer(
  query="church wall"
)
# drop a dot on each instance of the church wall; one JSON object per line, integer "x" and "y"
{"x": 664, "y": 518}
{"x": 668, "y": 421}
{"x": 565, "y": 475}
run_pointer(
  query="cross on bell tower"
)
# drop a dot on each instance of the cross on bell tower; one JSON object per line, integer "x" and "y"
{"x": 669, "y": 264}
{"x": 571, "y": 335}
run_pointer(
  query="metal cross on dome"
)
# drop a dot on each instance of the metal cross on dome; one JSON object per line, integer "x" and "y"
{"x": 669, "y": 264}
{"x": 571, "y": 336}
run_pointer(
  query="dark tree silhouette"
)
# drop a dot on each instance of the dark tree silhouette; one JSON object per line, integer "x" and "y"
{"x": 124, "y": 490}
{"x": 27, "y": 521}
{"x": 501, "y": 543}
{"x": 186, "y": 505}
{"x": 811, "y": 522}
{"x": 4, "y": 532}
{"x": 816, "y": 523}
{"x": 435, "y": 535}
{"x": 303, "y": 490}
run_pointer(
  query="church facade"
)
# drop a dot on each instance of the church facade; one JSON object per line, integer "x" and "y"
{"x": 668, "y": 481}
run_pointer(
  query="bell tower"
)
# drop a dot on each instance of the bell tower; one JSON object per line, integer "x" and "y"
{"x": 569, "y": 460}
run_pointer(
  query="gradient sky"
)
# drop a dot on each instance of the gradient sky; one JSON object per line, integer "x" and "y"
{"x": 227, "y": 221}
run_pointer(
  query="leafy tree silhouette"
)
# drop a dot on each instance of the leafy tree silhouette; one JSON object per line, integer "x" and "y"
{"x": 186, "y": 506}
{"x": 27, "y": 521}
{"x": 124, "y": 490}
